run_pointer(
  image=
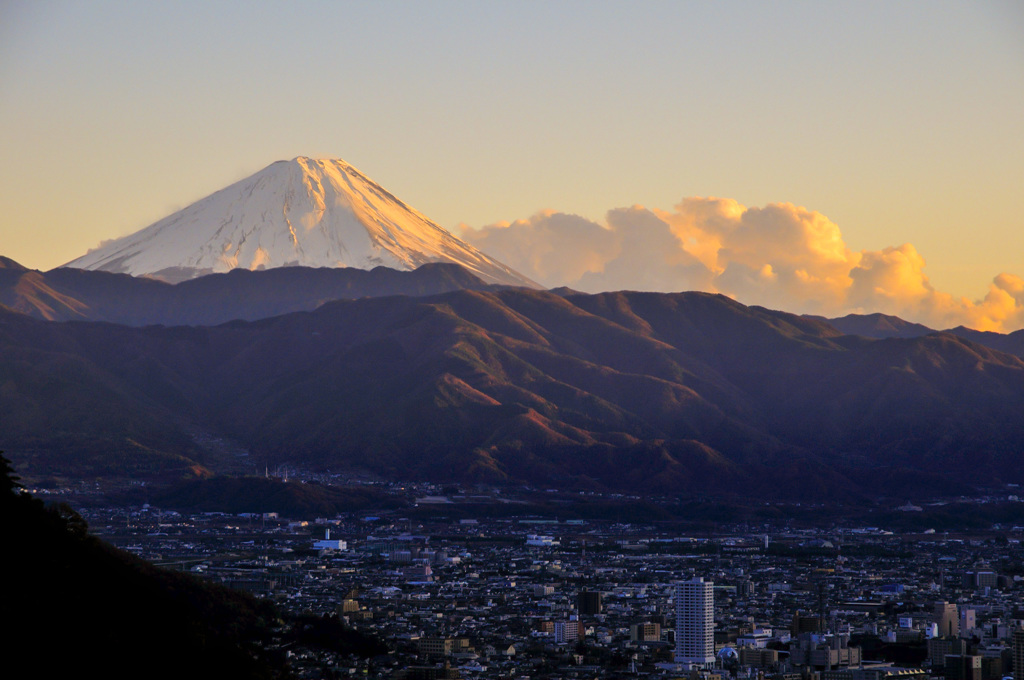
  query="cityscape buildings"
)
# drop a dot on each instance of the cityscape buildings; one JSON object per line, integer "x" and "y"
{"x": 453, "y": 592}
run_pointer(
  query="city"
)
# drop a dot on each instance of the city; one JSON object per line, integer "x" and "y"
{"x": 538, "y": 596}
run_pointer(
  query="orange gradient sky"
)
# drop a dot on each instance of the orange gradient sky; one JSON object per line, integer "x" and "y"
{"x": 893, "y": 131}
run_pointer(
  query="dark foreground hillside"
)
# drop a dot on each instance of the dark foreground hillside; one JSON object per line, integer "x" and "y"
{"x": 74, "y": 606}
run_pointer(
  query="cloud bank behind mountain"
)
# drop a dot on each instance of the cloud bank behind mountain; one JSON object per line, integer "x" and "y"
{"x": 781, "y": 256}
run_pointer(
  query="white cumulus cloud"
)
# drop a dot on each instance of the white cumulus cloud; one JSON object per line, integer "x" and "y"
{"x": 781, "y": 256}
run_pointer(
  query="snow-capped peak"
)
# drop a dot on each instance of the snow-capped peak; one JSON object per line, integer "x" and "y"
{"x": 305, "y": 212}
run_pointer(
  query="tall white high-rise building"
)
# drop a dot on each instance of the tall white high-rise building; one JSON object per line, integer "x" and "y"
{"x": 695, "y": 622}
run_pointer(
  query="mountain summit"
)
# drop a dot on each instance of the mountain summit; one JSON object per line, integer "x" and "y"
{"x": 303, "y": 212}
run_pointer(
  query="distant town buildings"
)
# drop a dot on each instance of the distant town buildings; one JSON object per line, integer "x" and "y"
{"x": 824, "y": 652}
{"x": 610, "y": 599}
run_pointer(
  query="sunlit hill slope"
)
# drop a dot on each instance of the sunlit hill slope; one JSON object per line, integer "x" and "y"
{"x": 630, "y": 391}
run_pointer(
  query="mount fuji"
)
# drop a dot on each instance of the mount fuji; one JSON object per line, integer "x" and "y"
{"x": 303, "y": 212}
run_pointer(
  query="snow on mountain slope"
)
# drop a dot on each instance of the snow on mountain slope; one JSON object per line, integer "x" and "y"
{"x": 302, "y": 212}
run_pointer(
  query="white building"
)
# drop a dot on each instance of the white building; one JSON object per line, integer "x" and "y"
{"x": 759, "y": 638}
{"x": 328, "y": 544}
{"x": 539, "y": 541}
{"x": 567, "y": 631}
{"x": 695, "y": 623}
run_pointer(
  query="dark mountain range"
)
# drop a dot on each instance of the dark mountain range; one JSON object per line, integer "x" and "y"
{"x": 877, "y": 326}
{"x": 650, "y": 392}
{"x": 66, "y": 294}
{"x": 1011, "y": 343}
{"x": 882, "y": 326}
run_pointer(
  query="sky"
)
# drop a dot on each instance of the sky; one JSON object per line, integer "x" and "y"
{"x": 815, "y": 157}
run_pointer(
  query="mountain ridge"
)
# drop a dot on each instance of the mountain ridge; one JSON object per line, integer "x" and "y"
{"x": 882, "y": 326}
{"x": 672, "y": 393}
{"x": 66, "y": 294}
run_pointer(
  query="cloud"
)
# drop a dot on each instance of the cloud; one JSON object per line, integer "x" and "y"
{"x": 553, "y": 247}
{"x": 1002, "y": 309}
{"x": 781, "y": 256}
{"x": 892, "y": 281}
{"x": 650, "y": 257}
{"x": 635, "y": 250}
{"x": 763, "y": 255}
